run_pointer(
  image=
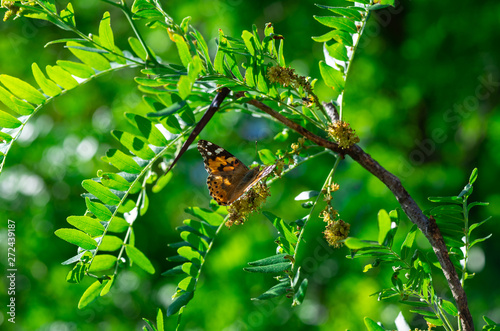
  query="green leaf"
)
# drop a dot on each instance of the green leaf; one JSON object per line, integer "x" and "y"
{"x": 415, "y": 303}
{"x": 4, "y": 137}
{"x": 76, "y": 274}
{"x": 355, "y": 243}
{"x": 408, "y": 243}
{"x": 300, "y": 294}
{"x": 351, "y": 12}
{"x": 275, "y": 291}
{"x": 206, "y": 215}
{"x": 190, "y": 269}
{"x": 172, "y": 109}
{"x": 138, "y": 257}
{"x": 424, "y": 313}
{"x": 99, "y": 210}
{"x": 149, "y": 15}
{"x": 118, "y": 225}
{"x": 68, "y": 15}
{"x": 270, "y": 269}
{"x": 248, "y": 39}
{"x": 89, "y": 225}
{"x": 8, "y": 99}
{"x": 91, "y": 293}
{"x": 449, "y": 307}
{"x": 177, "y": 270}
{"x": 114, "y": 181}
{"x": 187, "y": 284}
{"x": 9, "y": 121}
{"x": 137, "y": 48}
{"x": 456, "y": 200}
{"x": 77, "y": 69}
{"x": 279, "y": 258}
{"x": 219, "y": 56}
{"x": 148, "y": 129}
{"x": 266, "y": 156}
{"x": 281, "y": 58}
{"x": 179, "y": 302}
{"x": 201, "y": 227}
{"x": 182, "y": 48}
{"x": 103, "y": 262}
{"x": 196, "y": 242}
{"x": 190, "y": 254}
{"x": 488, "y": 320}
{"x": 101, "y": 192}
{"x": 473, "y": 176}
{"x": 106, "y": 288}
{"x": 335, "y": 22}
{"x": 476, "y": 225}
{"x": 338, "y": 51}
{"x": 106, "y": 33}
{"x": 261, "y": 82}
{"x": 122, "y": 161}
{"x": 134, "y": 144}
{"x": 110, "y": 243}
{"x": 469, "y": 207}
{"x": 339, "y": 36}
{"x": 202, "y": 44}
{"x": 159, "y": 321}
{"x": 477, "y": 241}
{"x": 184, "y": 86}
{"x": 288, "y": 239}
{"x": 48, "y": 87}
{"x": 446, "y": 209}
{"x": 22, "y": 89}
{"x": 384, "y": 226}
{"x": 77, "y": 237}
{"x": 371, "y": 325}
{"x": 162, "y": 182}
{"x": 92, "y": 59}
{"x": 171, "y": 124}
{"x": 61, "y": 77}
{"x": 333, "y": 78}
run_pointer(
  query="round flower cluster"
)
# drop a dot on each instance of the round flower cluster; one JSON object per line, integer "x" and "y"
{"x": 248, "y": 203}
{"x": 287, "y": 77}
{"x": 343, "y": 133}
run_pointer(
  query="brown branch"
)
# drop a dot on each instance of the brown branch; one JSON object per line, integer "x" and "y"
{"x": 409, "y": 206}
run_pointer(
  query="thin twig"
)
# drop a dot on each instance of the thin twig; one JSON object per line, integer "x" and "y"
{"x": 410, "y": 207}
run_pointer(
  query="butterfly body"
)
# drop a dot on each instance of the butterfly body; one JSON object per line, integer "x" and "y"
{"x": 228, "y": 178}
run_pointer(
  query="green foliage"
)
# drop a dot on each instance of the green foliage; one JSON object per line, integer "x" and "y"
{"x": 253, "y": 66}
{"x": 412, "y": 278}
{"x": 198, "y": 236}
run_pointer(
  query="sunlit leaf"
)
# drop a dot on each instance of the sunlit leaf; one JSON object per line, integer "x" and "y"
{"x": 48, "y": 87}
{"x": 110, "y": 243}
{"x": 61, "y": 77}
{"x": 103, "y": 262}
{"x": 22, "y": 89}
{"x": 91, "y": 293}
{"x": 138, "y": 257}
{"x": 77, "y": 237}
{"x": 87, "y": 224}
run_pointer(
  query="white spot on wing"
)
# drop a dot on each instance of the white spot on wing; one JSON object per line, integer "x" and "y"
{"x": 219, "y": 150}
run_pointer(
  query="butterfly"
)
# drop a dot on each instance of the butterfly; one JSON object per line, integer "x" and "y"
{"x": 228, "y": 178}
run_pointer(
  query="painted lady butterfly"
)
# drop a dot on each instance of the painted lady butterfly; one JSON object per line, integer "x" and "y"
{"x": 228, "y": 178}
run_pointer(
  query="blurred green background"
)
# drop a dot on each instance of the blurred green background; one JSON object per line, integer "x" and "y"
{"x": 423, "y": 96}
